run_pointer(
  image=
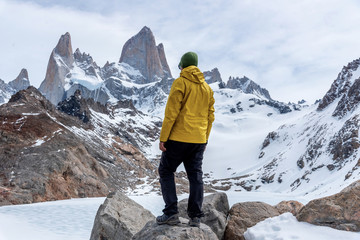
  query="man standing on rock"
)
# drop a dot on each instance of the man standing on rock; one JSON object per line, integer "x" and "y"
{"x": 189, "y": 115}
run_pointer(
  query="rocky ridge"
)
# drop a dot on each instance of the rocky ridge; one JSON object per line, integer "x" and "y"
{"x": 64, "y": 157}
{"x": 339, "y": 211}
{"x": 324, "y": 142}
{"x": 19, "y": 83}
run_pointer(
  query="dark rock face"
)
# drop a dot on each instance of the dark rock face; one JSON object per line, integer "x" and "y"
{"x": 215, "y": 208}
{"x": 345, "y": 142}
{"x": 213, "y": 76}
{"x": 48, "y": 155}
{"x": 182, "y": 231}
{"x": 86, "y": 62}
{"x": 141, "y": 53}
{"x": 245, "y": 215}
{"x": 119, "y": 217}
{"x": 341, "y": 88}
{"x": 77, "y": 106}
{"x": 60, "y": 63}
{"x": 281, "y": 107}
{"x": 340, "y": 211}
{"x": 21, "y": 82}
{"x": 247, "y": 86}
{"x": 5, "y": 91}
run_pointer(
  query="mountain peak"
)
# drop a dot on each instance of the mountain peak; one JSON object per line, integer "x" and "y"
{"x": 141, "y": 53}
{"x": 346, "y": 87}
{"x": 247, "y": 86}
{"x": 64, "y": 48}
{"x": 21, "y": 82}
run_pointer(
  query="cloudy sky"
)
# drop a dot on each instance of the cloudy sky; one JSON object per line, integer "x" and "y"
{"x": 295, "y": 49}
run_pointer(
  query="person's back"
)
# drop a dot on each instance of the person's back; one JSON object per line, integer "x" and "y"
{"x": 189, "y": 105}
{"x": 186, "y": 127}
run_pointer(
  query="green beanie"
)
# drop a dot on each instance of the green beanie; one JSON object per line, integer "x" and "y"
{"x": 188, "y": 59}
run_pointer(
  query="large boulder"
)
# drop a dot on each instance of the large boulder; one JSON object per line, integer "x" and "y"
{"x": 289, "y": 206}
{"x": 119, "y": 217}
{"x": 245, "y": 215}
{"x": 340, "y": 211}
{"x": 182, "y": 231}
{"x": 215, "y": 208}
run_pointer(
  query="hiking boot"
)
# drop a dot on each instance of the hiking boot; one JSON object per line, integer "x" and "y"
{"x": 169, "y": 220}
{"x": 194, "y": 222}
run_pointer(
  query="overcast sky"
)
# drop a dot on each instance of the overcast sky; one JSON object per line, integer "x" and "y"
{"x": 295, "y": 49}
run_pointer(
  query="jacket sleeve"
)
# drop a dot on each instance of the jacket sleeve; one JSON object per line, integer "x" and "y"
{"x": 211, "y": 116}
{"x": 172, "y": 110}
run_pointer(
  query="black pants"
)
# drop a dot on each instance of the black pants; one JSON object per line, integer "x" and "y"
{"x": 191, "y": 154}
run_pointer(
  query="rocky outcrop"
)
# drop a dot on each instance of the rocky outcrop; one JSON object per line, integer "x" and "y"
{"x": 245, "y": 215}
{"x": 340, "y": 211}
{"x": 289, "y": 206}
{"x": 346, "y": 87}
{"x": 281, "y": 107}
{"x": 21, "y": 82}
{"x": 182, "y": 231}
{"x": 247, "y": 86}
{"x": 48, "y": 155}
{"x": 141, "y": 53}
{"x": 60, "y": 63}
{"x": 77, "y": 106}
{"x": 5, "y": 92}
{"x": 119, "y": 217}
{"x": 163, "y": 61}
{"x": 212, "y": 76}
{"x": 215, "y": 208}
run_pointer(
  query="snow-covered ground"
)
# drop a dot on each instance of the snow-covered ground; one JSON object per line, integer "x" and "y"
{"x": 73, "y": 219}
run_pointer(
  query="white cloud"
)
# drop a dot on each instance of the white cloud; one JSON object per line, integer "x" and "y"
{"x": 294, "y": 49}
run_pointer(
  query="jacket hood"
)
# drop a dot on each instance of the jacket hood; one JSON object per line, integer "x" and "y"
{"x": 193, "y": 73}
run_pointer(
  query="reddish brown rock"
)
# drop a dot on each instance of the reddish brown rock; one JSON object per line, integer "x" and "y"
{"x": 245, "y": 215}
{"x": 289, "y": 206}
{"x": 340, "y": 211}
{"x": 141, "y": 53}
{"x": 48, "y": 155}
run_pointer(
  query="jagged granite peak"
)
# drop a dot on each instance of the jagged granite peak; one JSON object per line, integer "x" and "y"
{"x": 247, "y": 86}
{"x": 21, "y": 82}
{"x": 163, "y": 61}
{"x": 213, "y": 76}
{"x": 340, "y": 85}
{"x": 5, "y": 92}
{"x": 64, "y": 49}
{"x": 60, "y": 64}
{"x": 86, "y": 62}
{"x": 141, "y": 53}
{"x": 346, "y": 87}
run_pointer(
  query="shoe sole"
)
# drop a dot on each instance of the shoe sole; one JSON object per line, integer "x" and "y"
{"x": 170, "y": 222}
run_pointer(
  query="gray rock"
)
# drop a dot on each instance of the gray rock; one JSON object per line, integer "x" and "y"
{"x": 21, "y": 82}
{"x": 182, "y": 231}
{"x": 248, "y": 86}
{"x": 119, "y": 217}
{"x": 212, "y": 76}
{"x": 53, "y": 85}
{"x": 215, "y": 208}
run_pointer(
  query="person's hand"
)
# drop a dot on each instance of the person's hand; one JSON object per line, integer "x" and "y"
{"x": 162, "y": 146}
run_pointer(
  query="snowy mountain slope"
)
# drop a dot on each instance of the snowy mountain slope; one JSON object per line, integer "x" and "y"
{"x": 5, "y": 92}
{"x": 313, "y": 153}
{"x": 8, "y": 89}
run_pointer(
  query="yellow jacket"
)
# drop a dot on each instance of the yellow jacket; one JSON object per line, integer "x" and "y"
{"x": 189, "y": 111}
